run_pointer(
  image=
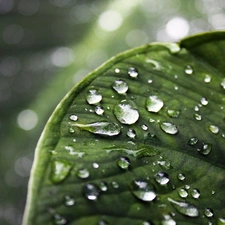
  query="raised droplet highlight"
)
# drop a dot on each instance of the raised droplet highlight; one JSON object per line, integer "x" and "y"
{"x": 133, "y": 72}
{"x": 173, "y": 113}
{"x": 183, "y": 193}
{"x": 188, "y": 70}
{"x": 93, "y": 96}
{"x": 91, "y": 192}
{"x": 162, "y": 178}
{"x": 214, "y": 129}
{"x": 208, "y": 212}
{"x": 73, "y": 117}
{"x": 103, "y": 186}
{"x": 169, "y": 128}
{"x": 204, "y": 101}
{"x": 223, "y": 83}
{"x": 120, "y": 86}
{"x": 154, "y": 103}
{"x": 197, "y": 116}
{"x": 99, "y": 110}
{"x": 131, "y": 133}
{"x": 181, "y": 176}
{"x": 193, "y": 141}
{"x": 123, "y": 162}
{"x": 167, "y": 220}
{"x": 206, "y": 149}
{"x": 83, "y": 173}
{"x": 195, "y": 193}
{"x": 207, "y": 78}
{"x": 59, "y": 220}
{"x": 69, "y": 200}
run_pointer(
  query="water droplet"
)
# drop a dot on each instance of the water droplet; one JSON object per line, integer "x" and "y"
{"x": 173, "y": 47}
{"x": 208, "y": 212}
{"x": 73, "y": 117}
{"x": 145, "y": 223}
{"x": 223, "y": 83}
{"x": 126, "y": 112}
{"x": 154, "y": 103}
{"x": 133, "y": 72}
{"x": 221, "y": 221}
{"x": 123, "y": 162}
{"x": 91, "y": 191}
{"x": 150, "y": 81}
{"x": 95, "y": 165}
{"x": 60, "y": 170}
{"x": 143, "y": 190}
{"x": 103, "y": 186}
{"x": 120, "y": 86}
{"x": 144, "y": 127}
{"x": 193, "y": 141}
{"x": 187, "y": 187}
{"x": 83, "y": 173}
{"x": 214, "y": 129}
{"x": 131, "y": 133}
{"x": 99, "y": 110}
{"x": 188, "y": 70}
{"x": 169, "y": 128}
{"x": 168, "y": 220}
{"x": 162, "y": 178}
{"x": 185, "y": 208}
{"x": 103, "y": 222}
{"x": 204, "y": 101}
{"x": 102, "y": 128}
{"x": 69, "y": 200}
{"x": 181, "y": 176}
{"x": 115, "y": 184}
{"x": 195, "y": 193}
{"x": 207, "y": 78}
{"x": 59, "y": 220}
{"x": 165, "y": 164}
{"x": 183, "y": 193}
{"x": 206, "y": 149}
{"x": 117, "y": 70}
{"x": 93, "y": 96}
{"x": 197, "y": 116}
{"x": 173, "y": 113}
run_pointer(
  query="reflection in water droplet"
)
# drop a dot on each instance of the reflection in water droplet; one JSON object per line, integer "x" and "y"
{"x": 206, "y": 149}
{"x": 59, "y": 220}
{"x": 126, "y": 112}
{"x": 91, "y": 191}
{"x": 207, "y": 78}
{"x": 223, "y": 83}
{"x": 183, "y": 193}
{"x": 93, "y": 96}
{"x": 188, "y": 70}
{"x": 193, "y": 141}
{"x": 162, "y": 178}
{"x": 168, "y": 220}
{"x": 83, "y": 173}
{"x": 169, "y": 128}
{"x": 131, "y": 133}
{"x": 181, "y": 176}
{"x": 195, "y": 193}
{"x": 123, "y": 162}
{"x": 185, "y": 208}
{"x": 204, "y": 101}
{"x": 214, "y": 129}
{"x": 102, "y": 128}
{"x": 73, "y": 117}
{"x": 69, "y": 200}
{"x": 208, "y": 212}
{"x": 173, "y": 113}
{"x": 103, "y": 186}
{"x": 154, "y": 103}
{"x": 120, "y": 86}
{"x": 99, "y": 110}
{"x": 143, "y": 190}
{"x": 197, "y": 116}
{"x": 133, "y": 72}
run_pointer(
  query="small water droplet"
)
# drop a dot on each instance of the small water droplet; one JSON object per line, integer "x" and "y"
{"x": 103, "y": 186}
{"x": 123, "y": 162}
{"x": 103, "y": 222}
{"x": 131, "y": 133}
{"x": 207, "y": 78}
{"x": 196, "y": 108}
{"x": 95, "y": 165}
{"x": 102, "y": 128}
{"x": 93, "y": 96}
{"x": 83, "y": 173}
{"x": 206, "y": 149}
{"x": 133, "y": 72}
{"x": 223, "y": 83}
{"x": 126, "y": 112}
{"x": 181, "y": 176}
{"x": 120, "y": 86}
{"x": 73, "y": 117}
{"x": 204, "y": 101}
{"x": 164, "y": 164}
{"x": 117, "y": 70}
{"x": 187, "y": 187}
{"x": 154, "y": 103}
{"x": 169, "y": 128}
{"x": 188, "y": 70}
{"x": 185, "y": 208}
{"x": 91, "y": 191}
{"x": 183, "y": 193}
{"x": 221, "y": 221}
{"x": 197, "y": 116}
{"x": 173, "y": 47}
{"x": 214, "y": 129}
{"x": 162, "y": 178}
{"x": 115, "y": 185}
{"x": 143, "y": 190}
{"x": 69, "y": 200}
{"x": 99, "y": 110}
{"x": 168, "y": 220}
{"x": 173, "y": 113}
{"x": 193, "y": 141}
{"x": 150, "y": 81}
{"x": 144, "y": 127}
{"x": 59, "y": 220}
{"x": 195, "y": 193}
{"x": 208, "y": 212}
{"x": 71, "y": 130}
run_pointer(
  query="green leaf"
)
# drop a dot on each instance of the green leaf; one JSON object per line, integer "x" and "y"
{"x": 139, "y": 141}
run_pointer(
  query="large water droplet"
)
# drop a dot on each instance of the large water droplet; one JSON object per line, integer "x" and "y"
{"x": 93, "y": 96}
{"x": 162, "y": 178}
{"x": 143, "y": 190}
{"x": 131, "y": 133}
{"x": 195, "y": 193}
{"x": 59, "y": 220}
{"x": 188, "y": 70}
{"x": 123, "y": 162}
{"x": 102, "y": 128}
{"x": 223, "y": 83}
{"x": 69, "y": 200}
{"x": 83, "y": 173}
{"x": 206, "y": 149}
{"x": 60, "y": 170}
{"x": 168, "y": 220}
{"x": 120, "y": 86}
{"x": 183, "y": 193}
{"x": 169, "y": 128}
{"x": 73, "y": 117}
{"x": 133, "y": 72}
{"x": 193, "y": 141}
{"x": 154, "y": 103}
{"x": 173, "y": 113}
{"x": 185, "y": 208}
{"x": 208, "y": 212}
{"x": 214, "y": 129}
{"x": 99, "y": 110}
{"x": 126, "y": 112}
{"x": 91, "y": 191}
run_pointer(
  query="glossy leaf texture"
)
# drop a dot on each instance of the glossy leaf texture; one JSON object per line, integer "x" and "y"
{"x": 139, "y": 141}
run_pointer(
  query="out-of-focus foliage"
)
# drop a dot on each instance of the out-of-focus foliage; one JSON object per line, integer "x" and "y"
{"x": 41, "y": 38}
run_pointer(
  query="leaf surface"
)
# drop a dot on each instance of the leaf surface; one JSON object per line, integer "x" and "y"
{"x": 139, "y": 141}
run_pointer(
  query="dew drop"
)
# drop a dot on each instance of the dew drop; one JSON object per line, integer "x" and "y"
{"x": 115, "y": 185}
{"x": 181, "y": 176}
{"x": 195, "y": 193}
{"x": 103, "y": 186}
{"x": 102, "y": 128}
{"x": 126, "y": 112}
{"x": 120, "y": 86}
{"x": 59, "y": 220}
{"x": 223, "y": 83}
{"x": 207, "y": 78}
{"x": 206, "y": 149}
{"x": 188, "y": 70}
{"x": 214, "y": 129}
{"x": 208, "y": 212}
{"x": 103, "y": 222}
{"x": 73, "y": 117}
{"x": 221, "y": 221}
{"x": 197, "y": 116}
{"x": 69, "y": 200}
{"x": 162, "y": 178}
{"x": 150, "y": 81}
{"x": 133, "y": 72}
{"x": 71, "y": 130}
{"x": 83, "y": 173}
{"x": 91, "y": 192}
{"x": 185, "y": 208}
{"x": 123, "y": 162}
{"x": 164, "y": 164}
{"x": 169, "y": 128}
{"x": 173, "y": 48}
{"x": 117, "y": 70}
{"x": 173, "y": 113}
{"x": 143, "y": 190}
{"x": 131, "y": 133}
{"x": 95, "y": 165}
{"x": 168, "y": 220}
{"x": 60, "y": 170}
{"x": 144, "y": 127}
{"x": 193, "y": 141}
{"x": 204, "y": 101}
{"x": 154, "y": 103}
{"x": 93, "y": 96}
{"x": 183, "y": 193}
{"x": 99, "y": 110}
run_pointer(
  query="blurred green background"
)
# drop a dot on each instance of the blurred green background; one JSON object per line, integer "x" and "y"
{"x": 47, "y": 46}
